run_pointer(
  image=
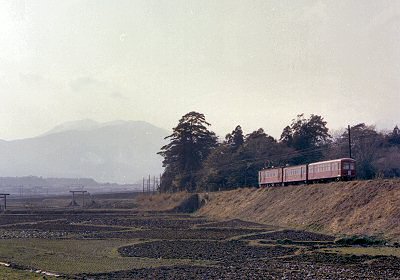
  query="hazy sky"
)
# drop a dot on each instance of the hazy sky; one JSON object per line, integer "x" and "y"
{"x": 254, "y": 63}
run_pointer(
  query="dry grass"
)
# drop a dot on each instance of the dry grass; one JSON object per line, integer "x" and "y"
{"x": 358, "y": 207}
{"x": 370, "y": 251}
{"x": 160, "y": 202}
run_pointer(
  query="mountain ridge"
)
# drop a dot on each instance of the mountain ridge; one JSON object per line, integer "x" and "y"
{"x": 118, "y": 151}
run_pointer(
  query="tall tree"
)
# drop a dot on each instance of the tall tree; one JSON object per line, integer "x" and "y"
{"x": 260, "y": 150}
{"x": 366, "y": 145}
{"x": 306, "y": 136}
{"x": 228, "y": 168}
{"x": 236, "y": 138}
{"x": 218, "y": 169}
{"x": 394, "y": 136}
{"x": 190, "y": 144}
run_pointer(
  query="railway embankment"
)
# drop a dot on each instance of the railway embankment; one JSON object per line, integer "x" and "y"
{"x": 357, "y": 207}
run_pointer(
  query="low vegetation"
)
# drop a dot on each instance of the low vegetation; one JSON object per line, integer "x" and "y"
{"x": 360, "y": 240}
{"x": 9, "y": 273}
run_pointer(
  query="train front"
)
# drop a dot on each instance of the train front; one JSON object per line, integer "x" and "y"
{"x": 348, "y": 169}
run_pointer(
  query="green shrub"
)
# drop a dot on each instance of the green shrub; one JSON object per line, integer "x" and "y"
{"x": 360, "y": 240}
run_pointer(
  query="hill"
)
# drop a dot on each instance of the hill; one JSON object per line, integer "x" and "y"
{"x": 121, "y": 152}
{"x": 359, "y": 207}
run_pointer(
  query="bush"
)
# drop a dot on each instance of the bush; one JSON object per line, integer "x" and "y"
{"x": 359, "y": 240}
{"x": 284, "y": 241}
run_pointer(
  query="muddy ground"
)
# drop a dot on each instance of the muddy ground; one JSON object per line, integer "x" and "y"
{"x": 232, "y": 249}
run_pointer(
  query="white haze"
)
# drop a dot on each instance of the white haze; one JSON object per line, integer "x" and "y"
{"x": 254, "y": 63}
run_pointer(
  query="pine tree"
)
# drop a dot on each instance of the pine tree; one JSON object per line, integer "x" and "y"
{"x": 190, "y": 144}
{"x": 306, "y": 135}
{"x": 236, "y": 138}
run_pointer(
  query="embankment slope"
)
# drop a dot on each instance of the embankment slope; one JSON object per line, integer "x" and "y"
{"x": 358, "y": 207}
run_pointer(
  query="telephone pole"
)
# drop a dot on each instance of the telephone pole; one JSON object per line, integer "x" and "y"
{"x": 348, "y": 128}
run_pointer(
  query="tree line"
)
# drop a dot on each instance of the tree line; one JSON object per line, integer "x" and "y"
{"x": 196, "y": 160}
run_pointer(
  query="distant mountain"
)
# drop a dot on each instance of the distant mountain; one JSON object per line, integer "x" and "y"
{"x": 85, "y": 124}
{"x": 120, "y": 151}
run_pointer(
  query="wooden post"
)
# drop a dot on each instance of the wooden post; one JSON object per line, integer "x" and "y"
{"x": 4, "y": 195}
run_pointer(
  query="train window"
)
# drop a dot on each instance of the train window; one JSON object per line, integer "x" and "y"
{"x": 346, "y": 166}
{"x": 352, "y": 166}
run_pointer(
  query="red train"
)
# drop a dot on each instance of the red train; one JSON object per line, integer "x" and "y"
{"x": 322, "y": 171}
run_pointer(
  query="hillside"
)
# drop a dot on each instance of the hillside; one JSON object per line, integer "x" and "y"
{"x": 359, "y": 207}
{"x": 121, "y": 152}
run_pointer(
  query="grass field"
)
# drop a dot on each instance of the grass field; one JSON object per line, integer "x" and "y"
{"x": 77, "y": 256}
{"x": 7, "y": 273}
{"x": 369, "y": 251}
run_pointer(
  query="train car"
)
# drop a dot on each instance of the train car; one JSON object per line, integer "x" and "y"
{"x": 270, "y": 177}
{"x": 295, "y": 174}
{"x": 337, "y": 169}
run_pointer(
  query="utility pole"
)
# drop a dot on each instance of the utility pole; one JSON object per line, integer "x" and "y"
{"x": 348, "y": 128}
{"x": 4, "y": 195}
{"x": 148, "y": 184}
{"x": 143, "y": 184}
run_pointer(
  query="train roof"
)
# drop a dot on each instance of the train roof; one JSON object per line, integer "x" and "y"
{"x": 295, "y": 166}
{"x": 332, "y": 160}
{"x": 270, "y": 168}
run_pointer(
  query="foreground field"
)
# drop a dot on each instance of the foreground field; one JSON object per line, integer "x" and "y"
{"x": 130, "y": 245}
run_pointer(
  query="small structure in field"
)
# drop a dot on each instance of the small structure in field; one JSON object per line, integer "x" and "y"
{"x": 4, "y": 196}
{"x": 73, "y": 203}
